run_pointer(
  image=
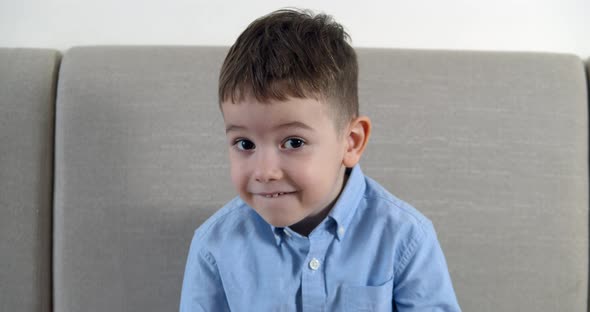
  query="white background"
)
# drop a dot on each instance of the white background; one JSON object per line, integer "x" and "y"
{"x": 516, "y": 25}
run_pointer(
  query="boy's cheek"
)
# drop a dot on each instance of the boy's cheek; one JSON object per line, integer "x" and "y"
{"x": 234, "y": 160}
{"x": 236, "y": 174}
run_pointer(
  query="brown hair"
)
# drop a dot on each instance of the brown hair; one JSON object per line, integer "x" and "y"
{"x": 293, "y": 53}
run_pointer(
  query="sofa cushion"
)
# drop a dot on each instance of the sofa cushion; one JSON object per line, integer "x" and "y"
{"x": 27, "y": 101}
{"x": 140, "y": 163}
{"x": 493, "y": 148}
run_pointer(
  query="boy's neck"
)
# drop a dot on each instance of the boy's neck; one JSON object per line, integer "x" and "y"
{"x": 306, "y": 226}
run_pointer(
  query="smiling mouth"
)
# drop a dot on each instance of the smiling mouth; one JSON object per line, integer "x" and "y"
{"x": 274, "y": 195}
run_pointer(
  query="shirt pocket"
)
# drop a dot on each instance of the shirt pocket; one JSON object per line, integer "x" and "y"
{"x": 369, "y": 298}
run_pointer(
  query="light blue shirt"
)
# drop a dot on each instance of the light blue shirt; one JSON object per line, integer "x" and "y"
{"x": 373, "y": 252}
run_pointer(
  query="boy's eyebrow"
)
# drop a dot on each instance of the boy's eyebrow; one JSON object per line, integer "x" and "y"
{"x": 234, "y": 128}
{"x": 293, "y": 124}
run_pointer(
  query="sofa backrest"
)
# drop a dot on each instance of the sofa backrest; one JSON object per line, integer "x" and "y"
{"x": 27, "y": 98}
{"x": 140, "y": 164}
{"x": 491, "y": 146}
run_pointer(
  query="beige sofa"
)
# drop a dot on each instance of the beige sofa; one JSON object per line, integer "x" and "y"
{"x": 110, "y": 158}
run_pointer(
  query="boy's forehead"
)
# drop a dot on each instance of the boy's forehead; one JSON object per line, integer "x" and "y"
{"x": 303, "y": 110}
{"x": 305, "y": 114}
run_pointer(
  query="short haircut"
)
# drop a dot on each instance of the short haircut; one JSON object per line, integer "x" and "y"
{"x": 293, "y": 53}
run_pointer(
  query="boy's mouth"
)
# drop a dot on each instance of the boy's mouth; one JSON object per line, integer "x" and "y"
{"x": 274, "y": 195}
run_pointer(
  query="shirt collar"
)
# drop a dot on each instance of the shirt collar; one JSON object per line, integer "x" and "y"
{"x": 348, "y": 201}
{"x": 278, "y": 232}
{"x": 344, "y": 208}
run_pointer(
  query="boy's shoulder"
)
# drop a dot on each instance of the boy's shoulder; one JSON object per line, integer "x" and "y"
{"x": 381, "y": 204}
{"x": 393, "y": 220}
{"x": 234, "y": 217}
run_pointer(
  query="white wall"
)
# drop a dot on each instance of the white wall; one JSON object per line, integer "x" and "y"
{"x": 526, "y": 25}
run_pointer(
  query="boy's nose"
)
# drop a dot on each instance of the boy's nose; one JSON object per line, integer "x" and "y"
{"x": 267, "y": 167}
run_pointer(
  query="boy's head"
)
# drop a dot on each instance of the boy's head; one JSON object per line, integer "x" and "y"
{"x": 288, "y": 94}
{"x": 292, "y": 53}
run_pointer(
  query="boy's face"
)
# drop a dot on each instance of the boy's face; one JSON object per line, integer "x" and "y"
{"x": 286, "y": 157}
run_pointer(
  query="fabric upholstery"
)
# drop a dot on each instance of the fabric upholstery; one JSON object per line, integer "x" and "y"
{"x": 140, "y": 163}
{"x": 491, "y": 146}
{"x": 27, "y": 102}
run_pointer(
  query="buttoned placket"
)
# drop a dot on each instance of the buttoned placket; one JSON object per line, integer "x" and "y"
{"x": 313, "y": 278}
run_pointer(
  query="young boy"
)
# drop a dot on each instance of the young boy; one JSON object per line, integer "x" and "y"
{"x": 308, "y": 232}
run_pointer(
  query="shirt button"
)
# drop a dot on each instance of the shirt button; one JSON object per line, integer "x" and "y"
{"x": 314, "y": 264}
{"x": 341, "y": 231}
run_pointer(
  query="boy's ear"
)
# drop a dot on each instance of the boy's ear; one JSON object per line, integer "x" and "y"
{"x": 357, "y": 137}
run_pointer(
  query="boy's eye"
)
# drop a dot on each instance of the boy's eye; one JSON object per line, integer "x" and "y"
{"x": 244, "y": 144}
{"x": 293, "y": 143}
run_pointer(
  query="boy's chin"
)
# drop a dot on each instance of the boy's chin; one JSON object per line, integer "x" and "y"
{"x": 277, "y": 221}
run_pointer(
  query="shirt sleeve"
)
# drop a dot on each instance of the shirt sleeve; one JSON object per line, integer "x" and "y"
{"x": 422, "y": 282}
{"x": 202, "y": 290}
